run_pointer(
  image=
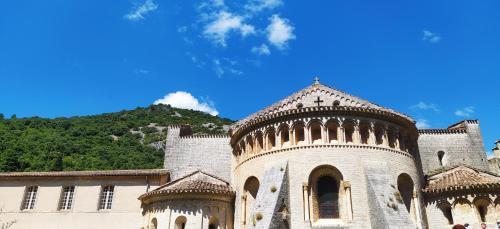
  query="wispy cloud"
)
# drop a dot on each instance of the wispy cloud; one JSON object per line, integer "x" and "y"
{"x": 225, "y": 65}
{"x": 219, "y": 71}
{"x": 465, "y": 112}
{"x": 185, "y": 100}
{"x": 431, "y": 37}
{"x": 141, "y": 10}
{"x": 280, "y": 31}
{"x": 223, "y": 23}
{"x": 140, "y": 71}
{"x": 425, "y": 106}
{"x": 261, "y": 50}
{"x": 422, "y": 124}
{"x": 255, "y": 6}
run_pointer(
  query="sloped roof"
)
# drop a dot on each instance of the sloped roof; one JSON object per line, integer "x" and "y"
{"x": 307, "y": 97}
{"x": 461, "y": 177}
{"x": 136, "y": 172}
{"x": 196, "y": 182}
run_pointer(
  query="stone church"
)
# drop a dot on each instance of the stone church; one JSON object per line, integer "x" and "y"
{"x": 320, "y": 158}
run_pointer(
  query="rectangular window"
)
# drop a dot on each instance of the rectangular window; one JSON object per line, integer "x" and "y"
{"x": 106, "y": 197}
{"x": 66, "y": 201}
{"x": 29, "y": 198}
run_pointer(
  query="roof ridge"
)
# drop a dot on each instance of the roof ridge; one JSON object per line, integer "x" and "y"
{"x": 115, "y": 172}
{"x": 281, "y": 105}
{"x": 189, "y": 175}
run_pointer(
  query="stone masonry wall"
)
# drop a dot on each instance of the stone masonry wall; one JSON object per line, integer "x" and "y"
{"x": 459, "y": 148}
{"x": 186, "y": 154}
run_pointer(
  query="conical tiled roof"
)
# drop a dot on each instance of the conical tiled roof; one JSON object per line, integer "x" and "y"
{"x": 196, "y": 182}
{"x": 461, "y": 178}
{"x": 309, "y": 97}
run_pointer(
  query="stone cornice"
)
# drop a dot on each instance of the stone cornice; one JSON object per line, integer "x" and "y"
{"x": 242, "y": 129}
{"x": 344, "y": 146}
{"x": 187, "y": 196}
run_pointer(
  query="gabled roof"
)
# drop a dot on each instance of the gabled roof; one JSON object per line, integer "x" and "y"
{"x": 196, "y": 182}
{"x": 461, "y": 177}
{"x": 308, "y": 97}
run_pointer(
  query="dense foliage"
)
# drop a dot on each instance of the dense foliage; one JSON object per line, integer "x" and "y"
{"x": 118, "y": 140}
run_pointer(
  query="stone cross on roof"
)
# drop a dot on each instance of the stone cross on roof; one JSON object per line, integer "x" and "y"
{"x": 318, "y": 101}
{"x": 316, "y": 80}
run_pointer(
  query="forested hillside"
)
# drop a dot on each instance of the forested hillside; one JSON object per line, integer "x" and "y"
{"x": 121, "y": 140}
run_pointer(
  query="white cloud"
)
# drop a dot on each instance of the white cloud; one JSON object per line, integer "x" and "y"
{"x": 139, "y": 71}
{"x": 425, "y": 106}
{"x": 256, "y": 6}
{"x": 182, "y": 29}
{"x": 422, "y": 124}
{"x": 218, "y": 68}
{"x": 185, "y": 100}
{"x": 280, "y": 31}
{"x": 431, "y": 37}
{"x": 223, "y": 23}
{"x": 140, "y": 11}
{"x": 261, "y": 50}
{"x": 466, "y": 112}
{"x": 225, "y": 65}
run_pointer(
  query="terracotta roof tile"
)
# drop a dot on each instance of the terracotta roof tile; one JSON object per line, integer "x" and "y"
{"x": 196, "y": 182}
{"x": 289, "y": 103}
{"x": 137, "y": 172}
{"x": 459, "y": 178}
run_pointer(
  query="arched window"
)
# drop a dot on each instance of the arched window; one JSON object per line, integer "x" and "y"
{"x": 332, "y": 127}
{"x": 316, "y": 137}
{"x": 379, "y": 135}
{"x": 440, "y": 158}
{"x": 405, "y": 187}
{"x": 446, "y": 210}
{"x": 349, "y": 132}
{"x": 249, "y": 148}
{"x": 326, "y": 195}
{"x": 213, "y": 223}
{"x": 364, "y": 132}
{"x": 242, "y": 147}
{"x": 180, "y": 222}
{"x": 154, "y": 223}
{"x": 392, "y": 138}
{"x": 298, "y": 131}
{"x": 271, "y": 139}
{"x": 485, "y": 210}
{"x": 328, "y": 198}
{"x": 284, "y": 136}
{"x": 250, "y": 190}
{"x": 259, "y": 142}
{"x": 462, "y": 210}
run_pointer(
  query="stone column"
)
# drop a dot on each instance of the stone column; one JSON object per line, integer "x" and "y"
{"x": 305, "y": 198}
{"x": 243, "y": 209}
{"x": 396, "y": 138}
{"x": 417, "y": 209}
{"x": 347, "y": 187}
{"x": 277, "y": 139}
{"x": 324, "y": 134}
{"x": 356, "y": 135}
{"x": 371, "y": 134}
{"x": 307, "y": 135}
{"x": 340, "y": 133}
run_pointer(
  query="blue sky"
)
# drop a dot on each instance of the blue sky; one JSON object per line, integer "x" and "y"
{"x": 438, "y": 61}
